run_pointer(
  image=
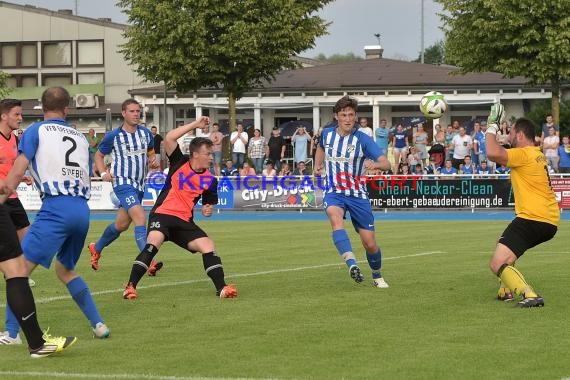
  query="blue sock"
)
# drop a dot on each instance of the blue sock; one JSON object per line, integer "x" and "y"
{"x": 375, "y": 262}
{"x": 343, "y": 246}
{"x": 80, "y": 293}
{"x": 109, "y": 235}
{"x": 12, "y": 325}
{"x": 140, "y": 237}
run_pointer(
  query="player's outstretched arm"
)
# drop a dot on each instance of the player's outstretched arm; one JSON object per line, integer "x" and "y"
{"x": 495, "y": 151}
{"x": 170, "y": 141}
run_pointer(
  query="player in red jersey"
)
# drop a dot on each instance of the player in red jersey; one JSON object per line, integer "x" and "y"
{"x": 10, "y": 120}
{"x": 172, "y": 217}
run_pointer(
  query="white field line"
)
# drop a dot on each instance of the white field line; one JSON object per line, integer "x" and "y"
{"x": 60, "y": 375}
{"x": 261, "y": 273}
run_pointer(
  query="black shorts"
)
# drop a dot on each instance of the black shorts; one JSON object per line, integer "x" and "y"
{"x": 174, "y": 229}
{"x": 17, "y": 213}
{"x": 9, "y": 243}
{"x": 523, "y": 234}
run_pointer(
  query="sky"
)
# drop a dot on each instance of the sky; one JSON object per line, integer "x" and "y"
{"x": 354, "y": 24}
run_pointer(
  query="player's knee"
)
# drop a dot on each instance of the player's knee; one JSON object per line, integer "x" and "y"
{"x": 370, "y": 246}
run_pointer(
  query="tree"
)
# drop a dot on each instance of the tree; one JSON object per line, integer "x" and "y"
{"x": 338, "y": 58}
{"x": 514, "y": 37}
{"x": 541, "y": 108}
{"x": 4, "y": 90}
{"x": 234, "y": 45}
{"x": 434, "y": 54}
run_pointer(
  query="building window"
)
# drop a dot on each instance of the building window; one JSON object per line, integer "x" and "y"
{"x": 18, "y": 55}
{"x": 9, "y": 56}
{"x": 56, "y": 54}
{"x": 90, "y": 53}
{"x": 29, "y": 55}
{"x": 21, "y": 80}
{"x": 90, "y": 78}
{"x": 11, "y": 82}
{"x": 51, "y": 80}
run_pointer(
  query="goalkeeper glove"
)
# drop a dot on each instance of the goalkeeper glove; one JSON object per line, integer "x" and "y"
{"x": 494, "y": 118}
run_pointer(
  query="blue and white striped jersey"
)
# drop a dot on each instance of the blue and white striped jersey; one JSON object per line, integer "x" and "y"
{"x": 129, "y": 155}
{"x": 59, "y": 158}
{"x": 344, "y": 161}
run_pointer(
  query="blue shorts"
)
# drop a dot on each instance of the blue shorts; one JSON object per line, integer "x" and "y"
{"x": 359, "y": 209}
{"x": 217, "y": 157}
{"x": 128, "y": 196}
{"x": 60, "y": 228}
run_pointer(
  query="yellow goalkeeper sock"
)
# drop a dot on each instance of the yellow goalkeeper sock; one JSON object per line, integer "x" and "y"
{"x": 511, "y": 277}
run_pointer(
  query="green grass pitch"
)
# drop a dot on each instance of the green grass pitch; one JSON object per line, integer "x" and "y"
{"x": 300, "y": 316}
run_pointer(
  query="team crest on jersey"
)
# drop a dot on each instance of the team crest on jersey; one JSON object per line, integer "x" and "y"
{"x": 350, "y": 148}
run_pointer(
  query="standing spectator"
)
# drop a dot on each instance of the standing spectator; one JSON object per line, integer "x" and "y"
{"x": 503, "y": 134}
{"x": 60, "y": 158}
{"x": 256, "y": 150}
{"x": 238, "y": 139}
{"x": 157, "y": 145}
{"x": 564, "y": 154}
{"x": 536, "y": 209}
{"x": 438, "y": 135}
{"x": 383, "y": 137}
{"x": 449, "y": 135}
{"x": 550, "y": 146}
{"x": 217, "y": 138}
{"x": 340, "y": 198}
{"x": 365, "y": 128}
{"x": 172, "y": 217}
{"x": 462, "y": 144}
{"x": 315, "y": 142}
{"x": 269, "y": 170}
{"x": 229, "y": 170}
{"x": 127, "y": 175}
{"x": 420, "y": 140}
{"x": 93, "y": 141}
{"x": 476, "y": 136}
{"x": 479, "y": 147}
{"x": 186, "y": 140}
{"x": 549, "y": 123}
{"x": 400, "y": 144}
{"x": 247, "y": 170}
{"x": 276, "y": 147}
{"x": 300, "y": 140}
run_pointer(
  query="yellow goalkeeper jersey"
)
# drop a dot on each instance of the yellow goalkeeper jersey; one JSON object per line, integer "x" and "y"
{"x": 534, "y": 197}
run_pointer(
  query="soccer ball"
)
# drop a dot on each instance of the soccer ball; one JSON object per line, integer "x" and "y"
{"x": 433, "y": 105}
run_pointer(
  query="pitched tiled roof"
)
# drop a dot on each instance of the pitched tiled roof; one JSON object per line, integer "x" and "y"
{"x": 386, "y": 73}
{"x": 373, "y": 74}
